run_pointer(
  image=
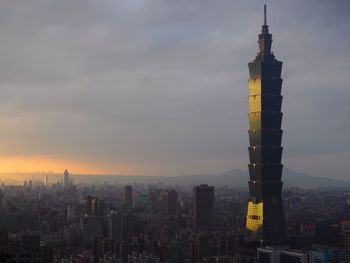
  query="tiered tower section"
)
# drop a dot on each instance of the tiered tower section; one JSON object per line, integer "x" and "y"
{"x": 265, "y": 217}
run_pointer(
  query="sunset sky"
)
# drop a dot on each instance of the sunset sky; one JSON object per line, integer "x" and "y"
{"x": 160, "y": 86}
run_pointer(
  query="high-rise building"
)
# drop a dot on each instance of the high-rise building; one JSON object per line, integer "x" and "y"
{"x": 46, "y": 182}
{"x": 265, "y": 217}
{"x": 97, "y": 206}
{"x": 89, "y": 200}
{"x": 128, "y": 196}
{"x": 347, "y": 246}
{"x": 203, "y": 206}
{"x": 1, "y": 199}
{"x": 71, "y": 213}
{"x": 114, "y": 226}
{"x": 152, "y": 200}
{"x": 66, "y": 179}
{"x": 169, "y": 202}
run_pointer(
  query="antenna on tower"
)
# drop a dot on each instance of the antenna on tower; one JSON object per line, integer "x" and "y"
{"x": 265, "y": 20}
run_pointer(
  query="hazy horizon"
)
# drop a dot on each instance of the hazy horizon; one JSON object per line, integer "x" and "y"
{"x": 160, "y": 87}
{"x": 233, "y": 177}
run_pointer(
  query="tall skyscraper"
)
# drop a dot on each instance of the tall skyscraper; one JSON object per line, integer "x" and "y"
{"x": 203, "y": 206}
{"x": 265, "y": 217}
{"x": 66, "y": 179}
{"x": 128, "y": 196}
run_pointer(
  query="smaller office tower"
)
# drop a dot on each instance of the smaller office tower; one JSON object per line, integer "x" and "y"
{"x": 128, "y": 197}
{"x": 1, "y": 199}
{"x": 46, "y": 181}
{"x": 71, "y": 212}
{"x": 89, "y": 200}
{"x": 97, "y": 207}
{"x": 169, "y": 202}
{"x": 203, "y": 206}
{"x": 66, "y": 179}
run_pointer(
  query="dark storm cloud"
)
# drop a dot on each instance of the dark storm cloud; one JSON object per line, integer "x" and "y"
{"x": 165, "y": 82}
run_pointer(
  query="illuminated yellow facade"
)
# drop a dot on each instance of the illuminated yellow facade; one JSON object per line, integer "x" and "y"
{"x": 254, "y": 86}
{"x": 254, "y": 221}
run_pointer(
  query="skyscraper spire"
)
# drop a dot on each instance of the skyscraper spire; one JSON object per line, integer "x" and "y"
{"x": 265, "y": 38}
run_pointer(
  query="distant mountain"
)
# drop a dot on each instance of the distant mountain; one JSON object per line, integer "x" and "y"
{"x": 236, "y": 178}
{"x": 290, "y": 178}
{"x": 296, "y": 179}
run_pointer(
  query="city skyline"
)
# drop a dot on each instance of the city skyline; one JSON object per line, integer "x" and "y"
{"x": 122, "y": 124}
{"x": 145, "y": 87}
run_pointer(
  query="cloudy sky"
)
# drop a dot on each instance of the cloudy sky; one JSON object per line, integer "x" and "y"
{"x": 160, "y": 86}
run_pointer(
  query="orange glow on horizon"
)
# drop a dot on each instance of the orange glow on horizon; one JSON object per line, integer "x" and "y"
{"x": 33, "y": 164}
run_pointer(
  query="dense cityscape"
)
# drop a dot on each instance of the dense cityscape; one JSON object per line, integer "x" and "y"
{"x": 110, "y": 223}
